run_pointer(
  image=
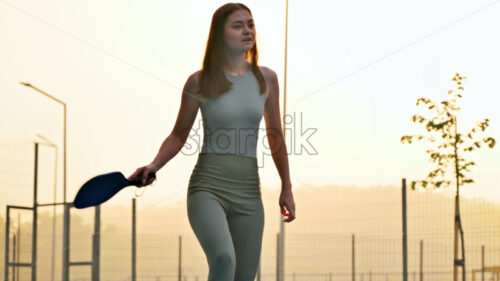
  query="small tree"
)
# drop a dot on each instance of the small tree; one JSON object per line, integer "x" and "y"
{"x": 451, "y": 148}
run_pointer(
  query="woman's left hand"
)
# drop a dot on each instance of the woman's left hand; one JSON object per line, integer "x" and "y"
{"x": 286, "y": 200}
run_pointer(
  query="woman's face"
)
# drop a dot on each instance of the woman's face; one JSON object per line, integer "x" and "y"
{"x": 239, "y": 31}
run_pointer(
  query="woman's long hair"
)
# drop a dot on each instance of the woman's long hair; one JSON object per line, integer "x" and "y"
{"x": 213, "y": 82}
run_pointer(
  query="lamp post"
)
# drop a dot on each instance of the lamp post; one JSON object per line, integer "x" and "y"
{"x": 64, "y": 131}
{"x": 65, "y": 276}
{"x": 281, "y": 242}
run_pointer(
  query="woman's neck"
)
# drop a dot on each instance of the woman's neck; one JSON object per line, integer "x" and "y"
{"x": 237, "y": 65}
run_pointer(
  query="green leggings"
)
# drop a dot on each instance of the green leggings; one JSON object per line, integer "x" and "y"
{"x": 226, "y": 213}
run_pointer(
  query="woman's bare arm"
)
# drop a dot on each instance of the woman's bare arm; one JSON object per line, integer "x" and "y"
{"x": 185, "y": 119}
{"x": 273, "y": 127}
{"x": 276, "y": 141}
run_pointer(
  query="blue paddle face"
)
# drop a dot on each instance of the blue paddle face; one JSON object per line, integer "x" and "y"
{"x": 99, "y": 189}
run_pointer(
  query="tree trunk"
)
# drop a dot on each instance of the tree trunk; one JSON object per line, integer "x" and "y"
{"x": 458, "y": 222}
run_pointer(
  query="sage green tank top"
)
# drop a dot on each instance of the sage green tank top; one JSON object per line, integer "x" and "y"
{"x": 231, "y": 121}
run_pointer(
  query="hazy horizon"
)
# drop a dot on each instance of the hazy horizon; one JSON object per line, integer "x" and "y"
{"x": 319, "y": 241}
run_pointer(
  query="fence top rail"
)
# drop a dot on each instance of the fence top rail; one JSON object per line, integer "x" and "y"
{"x": 19, "y": 207}
{"x": 19, "y": 264}
{"x": 78, "y": 263}
{"x": 50, "y": 204}
{"x": 488, "y": 268}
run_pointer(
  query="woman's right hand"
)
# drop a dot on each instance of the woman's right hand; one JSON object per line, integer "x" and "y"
{"x": 144, "y": 172}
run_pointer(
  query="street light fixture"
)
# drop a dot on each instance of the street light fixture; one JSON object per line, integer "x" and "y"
{"x": 64, "y": 131}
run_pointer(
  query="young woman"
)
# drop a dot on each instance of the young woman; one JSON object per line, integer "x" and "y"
{"x": 224, "y": 202}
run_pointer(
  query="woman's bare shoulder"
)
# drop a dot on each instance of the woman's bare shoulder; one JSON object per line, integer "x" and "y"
{"x": 268, "y": 73}
{"x": 193, "y": 84}
{"x": 270, "y": 77}
{"x": 195, "y": 78}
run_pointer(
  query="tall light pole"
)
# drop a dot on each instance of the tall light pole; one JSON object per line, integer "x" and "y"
{"x": 281, "y": 258}
{"x": 64, "y": 131}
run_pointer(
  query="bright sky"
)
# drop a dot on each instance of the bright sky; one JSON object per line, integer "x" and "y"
{"x": 355, "y": 71}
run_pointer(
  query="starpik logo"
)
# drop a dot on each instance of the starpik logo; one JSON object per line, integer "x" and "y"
{"x": 238, "y": 140}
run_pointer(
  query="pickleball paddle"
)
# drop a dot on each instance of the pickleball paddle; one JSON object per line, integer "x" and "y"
{"x": 100, "y": 188}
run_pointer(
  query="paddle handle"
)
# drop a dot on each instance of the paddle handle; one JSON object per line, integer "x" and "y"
{"x": 138, "y": 180}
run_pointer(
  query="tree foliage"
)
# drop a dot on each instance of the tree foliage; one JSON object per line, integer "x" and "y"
{"x": 451, "y": 146}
